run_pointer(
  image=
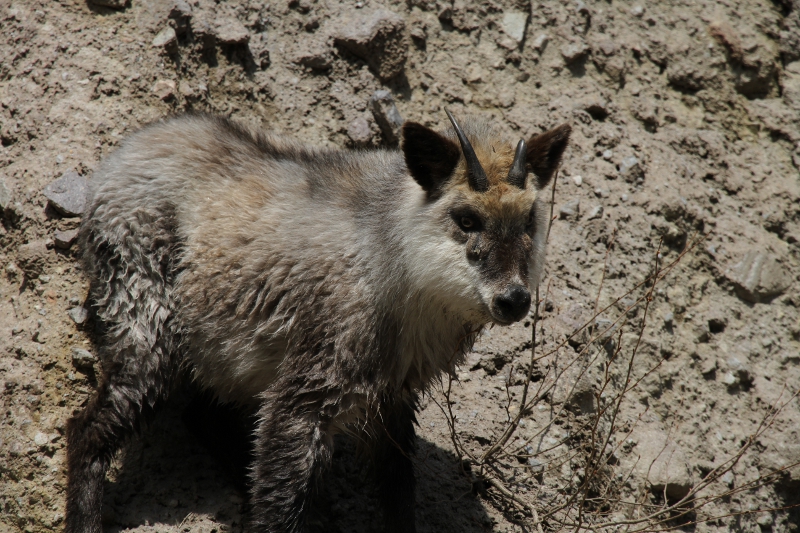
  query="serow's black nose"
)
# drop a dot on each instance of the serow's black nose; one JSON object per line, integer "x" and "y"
{"x": 513, "y": 304}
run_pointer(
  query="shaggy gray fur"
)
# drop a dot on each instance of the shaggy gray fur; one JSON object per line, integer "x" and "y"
{"x": 326, "y": 287}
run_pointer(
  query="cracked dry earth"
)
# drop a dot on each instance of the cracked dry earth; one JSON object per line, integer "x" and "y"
{"x": 686, "y": 145}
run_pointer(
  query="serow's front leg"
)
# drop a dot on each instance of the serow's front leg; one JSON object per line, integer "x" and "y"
{"x": 291, "y": 449}
{"x": 394, "y": 470}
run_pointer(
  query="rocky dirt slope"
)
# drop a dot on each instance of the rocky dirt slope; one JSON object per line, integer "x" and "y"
{"x": 686, "y": 120}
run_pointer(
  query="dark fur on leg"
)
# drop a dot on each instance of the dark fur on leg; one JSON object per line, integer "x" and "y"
{"x": 292, "y": 447}
{"x": 119, "y": 408}
{"x": 396, "y": 443}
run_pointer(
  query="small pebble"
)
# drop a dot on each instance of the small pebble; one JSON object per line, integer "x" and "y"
{"x": 637, "y": 11}
{"x": 5, "y": 196}
{"x": 514, "y": 23}
{"x": 540, "y": 41}
{"x": 78, "y": 315}
{"x": 578, "y": 180}
{"x": 624, "y": 198}
{"x": 570, "y": 209}
{"x": 596, "y": 212}
{"x": 608, "y": 154}
{"x": 65, "y": 239}
{"x": 573, "y": 52}
{"x": 359, "y": 131}
{"x": 82, "y": 359}
{"x": 386, "y": 115}
{"x": 41, "y": 439}
{"x": 164, "y": 89}
{"x": 165, "y": 38}
{"x": 68, "y": 194}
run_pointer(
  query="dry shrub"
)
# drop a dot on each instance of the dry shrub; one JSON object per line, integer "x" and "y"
{"x": 592, "y": 496}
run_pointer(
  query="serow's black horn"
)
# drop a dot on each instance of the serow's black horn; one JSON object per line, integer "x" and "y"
{"x": 475, "y": 173}
{"x": 519, "y": 171}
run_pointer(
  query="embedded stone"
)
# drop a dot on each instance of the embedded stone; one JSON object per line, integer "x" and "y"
{"x": 759, "y": 277}
{"x": 79, "y": 315}
{"x": 164, "y": 89}
{"x": 386, "y": 115}
{"x": 514, "y": 24}
{"x": 571, "y": 209}
{"x": 82, "y": 359}
{"x": 573, "y": 52}
{"x": 377, "y": 37}
{"x": 65, "y": 239}
{"x": 359, "y": 132}
{"x": 5, "y": 196}
{"x": 68, "y": 194}
{"x": 230, "y": 31}
{"x": 165, "y": 38}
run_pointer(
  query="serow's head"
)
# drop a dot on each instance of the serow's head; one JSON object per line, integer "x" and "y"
{"x": 487, "y": 195}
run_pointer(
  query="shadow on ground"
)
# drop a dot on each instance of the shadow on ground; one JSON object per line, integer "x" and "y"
{"x": 168, "y": 476}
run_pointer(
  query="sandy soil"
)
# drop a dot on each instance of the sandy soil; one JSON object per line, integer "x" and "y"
{"x": 686, "y": 120}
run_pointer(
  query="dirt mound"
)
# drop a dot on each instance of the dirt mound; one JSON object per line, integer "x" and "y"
{"x": 686, "y": 147}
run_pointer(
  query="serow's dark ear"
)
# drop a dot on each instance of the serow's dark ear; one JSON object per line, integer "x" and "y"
{"x": 430, "y": 157}
{"x": 545, "y": 151}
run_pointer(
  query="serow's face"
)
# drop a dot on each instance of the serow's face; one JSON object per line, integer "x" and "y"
{"x": 489, "y": 194}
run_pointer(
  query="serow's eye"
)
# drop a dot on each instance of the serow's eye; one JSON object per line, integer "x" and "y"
{"x": 531, "y": 223}
{"x": 468, "y": 223}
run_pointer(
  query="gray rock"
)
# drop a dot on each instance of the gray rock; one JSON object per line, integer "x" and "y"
{"x": 65, "y": 239}
{"x": 740, "y": 371}
{"x": 181, "y": 12}
{"x": 79, "y": 315}
{"x": 82, "y": 359}
{"x": 663, "y": 463}
{"x": 707, "y": 366}
{"x": 631, "y": 170}
{"x": 688, "y": 75}
{"x": 315, "y": 54}
{"x": 571, "y": 209}
{"x": 5, "y": 196}
{"x": 540, "y": 42}
{"x": 605, "y": 329}
{"x": 378, "y": 37}
{"x": 574, "y": 51}
{"x": 165, "y": 38}
{"x": 759, "y": 277}
{"x": 68, "y": 194}
{"x": 229, "y": 30}
{"x": 780, "y": 454}
{"x": 582, "y": 398}
{"x": 419, "y": 32}
{"x": 386, "y": 115}
{"x": 514, "y": 24}
{"x": 164, "y": 89}
{"x": 32, "y": 258}
{"x": 596, "y": 212}
{"x": 359, "y": 132}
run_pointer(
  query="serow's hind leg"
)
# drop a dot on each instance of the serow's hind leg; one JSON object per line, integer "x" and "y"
{"x": 131, "y": 389}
